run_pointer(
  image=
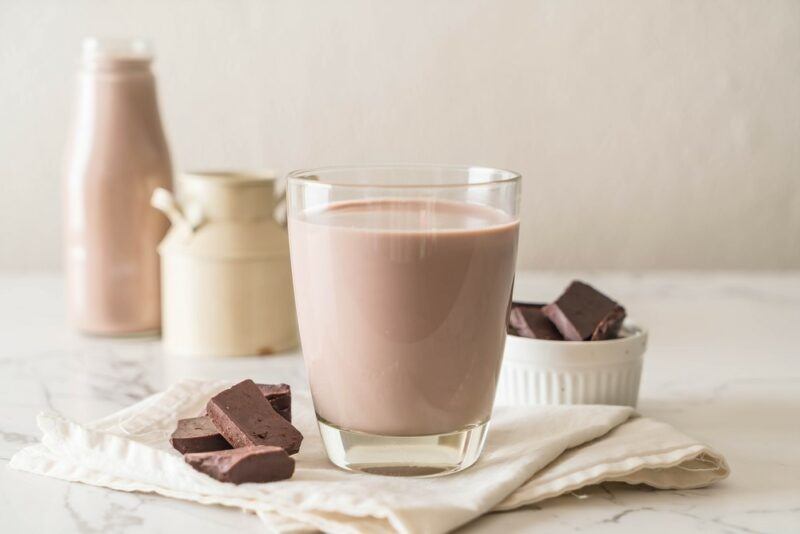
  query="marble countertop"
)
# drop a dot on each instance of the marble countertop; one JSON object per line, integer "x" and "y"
{"x": 723, "y": 365}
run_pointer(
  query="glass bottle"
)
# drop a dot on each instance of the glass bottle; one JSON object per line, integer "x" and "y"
{"x": 116, "y": 156}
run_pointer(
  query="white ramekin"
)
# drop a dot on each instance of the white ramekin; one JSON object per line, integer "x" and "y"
{"x": 539, "y": 371}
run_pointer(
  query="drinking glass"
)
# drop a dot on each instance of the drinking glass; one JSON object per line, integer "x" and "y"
{"x": 403, "y": 277}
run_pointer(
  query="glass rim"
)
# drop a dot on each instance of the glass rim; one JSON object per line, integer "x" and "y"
{"x": 309, "y": 175}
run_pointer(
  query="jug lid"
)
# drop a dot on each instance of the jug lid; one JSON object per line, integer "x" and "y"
{"x": 230, "y": 195}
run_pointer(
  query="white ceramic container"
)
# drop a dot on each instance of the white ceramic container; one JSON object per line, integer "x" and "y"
{"x": 225, "y": 271}
{"x": 538, "y": 371}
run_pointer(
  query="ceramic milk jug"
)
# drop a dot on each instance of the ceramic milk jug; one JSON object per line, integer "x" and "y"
{"x": 226, "y": 277}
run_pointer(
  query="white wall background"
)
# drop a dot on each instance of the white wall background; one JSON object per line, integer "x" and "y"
{"x": 651, "y": 134}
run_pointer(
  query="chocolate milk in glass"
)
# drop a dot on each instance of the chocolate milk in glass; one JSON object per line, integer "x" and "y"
{"x": 116, "y": 157}
{"x": 402, "y": 309}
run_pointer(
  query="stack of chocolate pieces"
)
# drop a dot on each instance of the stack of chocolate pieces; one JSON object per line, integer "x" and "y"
{"x": 245, "y": 436}
{"x": 581, "y": 313}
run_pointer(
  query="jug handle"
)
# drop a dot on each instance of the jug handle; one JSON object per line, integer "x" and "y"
{"x": 164, "y": 201}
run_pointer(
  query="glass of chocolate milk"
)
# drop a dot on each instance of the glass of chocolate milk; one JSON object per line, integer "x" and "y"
{"x": 403, "y": 278}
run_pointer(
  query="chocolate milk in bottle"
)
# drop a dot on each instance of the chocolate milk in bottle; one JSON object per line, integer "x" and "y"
{"x": 116, "y": 156}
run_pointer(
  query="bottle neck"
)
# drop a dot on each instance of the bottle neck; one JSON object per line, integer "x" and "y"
{"x": 117, "y": 66}
{"x": 117, "y": 56}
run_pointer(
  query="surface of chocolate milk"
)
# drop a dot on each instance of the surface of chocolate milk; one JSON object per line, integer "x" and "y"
{"x": 402, "y": 308}
{"x": 116, "y": 156}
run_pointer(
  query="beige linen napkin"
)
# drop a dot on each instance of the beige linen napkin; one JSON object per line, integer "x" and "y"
{"x": 531, "y": 454}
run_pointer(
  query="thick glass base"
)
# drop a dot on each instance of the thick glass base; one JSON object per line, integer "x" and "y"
{"x": 407, "y": 456}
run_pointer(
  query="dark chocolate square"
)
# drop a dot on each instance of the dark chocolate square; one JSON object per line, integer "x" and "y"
{"x": 245, "y": 418}
{"x": 527, "y": 320}
{"x": 582, "y": 313}
{"x": 247, "y": 464}
{"x": 279, "y": 396}
{"x": 197, "y": 434}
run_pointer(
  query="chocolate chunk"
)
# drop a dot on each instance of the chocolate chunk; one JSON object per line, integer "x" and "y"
{"x": 279, "y": 396}
{"x": 527, "y": 320}
{"x": 248, "y": 464}
{"x": 582, "y": 313}
{"x": 245, "y": 418}
{"x": 197, "y": 434}
{"x": 286, "y": 413}
{"x": 200, "y": 435}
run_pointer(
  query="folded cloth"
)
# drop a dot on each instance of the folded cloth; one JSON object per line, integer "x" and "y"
{"x": 532, "y": 454}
